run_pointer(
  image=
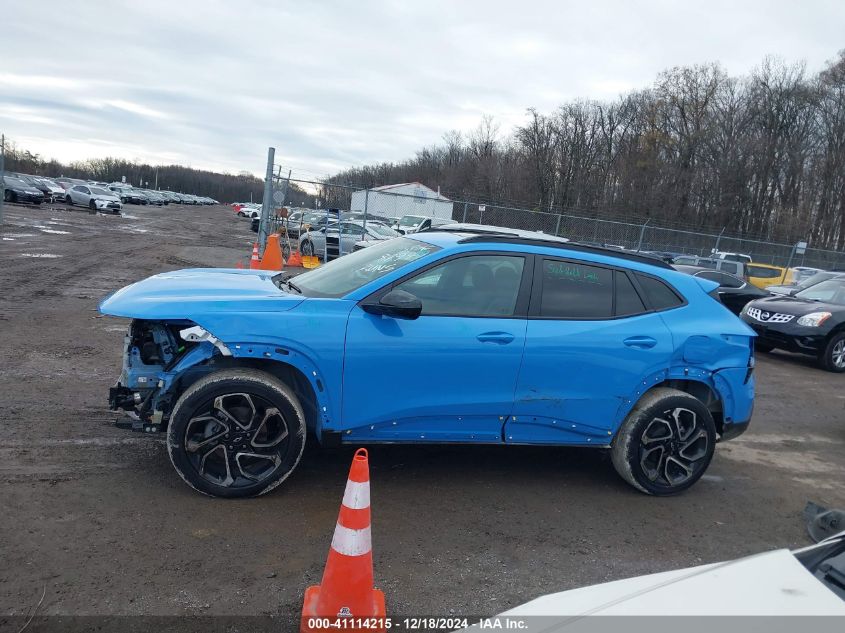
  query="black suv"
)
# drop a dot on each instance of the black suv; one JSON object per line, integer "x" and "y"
{"x": 810, "y": 322}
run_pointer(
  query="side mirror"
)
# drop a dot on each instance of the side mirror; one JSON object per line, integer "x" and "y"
{"x": 396, "y": 303}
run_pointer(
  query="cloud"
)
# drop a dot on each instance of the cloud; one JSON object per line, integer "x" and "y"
{"x": 338, "y": 83}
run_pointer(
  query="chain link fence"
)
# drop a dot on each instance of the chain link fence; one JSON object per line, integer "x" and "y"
{"x": 412, "y": 206}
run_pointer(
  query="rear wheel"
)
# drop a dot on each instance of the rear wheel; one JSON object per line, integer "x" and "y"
{"x": 666, "y": 443}
{"x": 69, "y": 201}
{"x": 8, "y": 196}
{"x": 236, "y": 433}
{"x": 307, "y": 248}
{"x": 833, "y": 356}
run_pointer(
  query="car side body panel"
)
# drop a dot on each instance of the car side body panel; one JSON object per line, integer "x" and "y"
{"x": 441, "y": 379}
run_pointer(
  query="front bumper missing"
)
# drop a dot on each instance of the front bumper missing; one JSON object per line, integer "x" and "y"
{"x": 136, "y": 407}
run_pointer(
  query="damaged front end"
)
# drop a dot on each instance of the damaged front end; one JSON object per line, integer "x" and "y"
{"x": 159, "y": 356}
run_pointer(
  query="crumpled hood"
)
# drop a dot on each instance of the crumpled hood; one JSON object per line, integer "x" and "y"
{"x": 188, "y": 294}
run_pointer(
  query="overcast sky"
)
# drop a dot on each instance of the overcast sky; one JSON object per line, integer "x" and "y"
{"x": 332, "y": 84}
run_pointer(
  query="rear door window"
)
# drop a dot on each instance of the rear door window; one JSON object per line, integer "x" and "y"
{"x": 572, "y": 290}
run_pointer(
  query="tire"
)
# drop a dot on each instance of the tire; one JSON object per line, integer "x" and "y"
{"x": 69, "y": 201}
{"x": 241, "y": 214}
{"x": 665, "y": 443}
{"x": 92, "y": 205}
{"x": 8, "y": 196}
{"x": 215, "y": 411}
{"x": 765, "y": 348}
{"x": 286, "y": 251}
{"x": 307, "y": 248}
{"x": 833, "y": 356}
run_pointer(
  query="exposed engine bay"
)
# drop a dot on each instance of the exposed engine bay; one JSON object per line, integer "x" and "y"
{"x": 152, "y": 352}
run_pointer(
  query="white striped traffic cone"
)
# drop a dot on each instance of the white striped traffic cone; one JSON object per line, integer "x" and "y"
{"x": 254, "y": 261}
{"x": 347, "y": 586}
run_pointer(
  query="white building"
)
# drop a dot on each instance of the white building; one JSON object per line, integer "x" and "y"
{"x": 410, "y": 198}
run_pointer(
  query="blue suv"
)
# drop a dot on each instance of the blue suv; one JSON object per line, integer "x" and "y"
{"x": 466, "y": 335}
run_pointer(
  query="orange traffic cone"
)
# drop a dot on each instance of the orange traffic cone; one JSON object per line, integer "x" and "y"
{"x": 254, "y": 262}
{"x": 347, "y": 586}
{"x": 295, "y": 259}
{"x": 239, "y": 265}
{"x": 272, "y": 259}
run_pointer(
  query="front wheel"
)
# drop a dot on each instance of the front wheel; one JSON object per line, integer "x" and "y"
{"x": 69, "y": 201}
{"x": 307, "y": 248}
{"x": 765, "y": 348}
{"x": 236, "y": 433}
{"x": 8, "y": 196}
{"x": 665, "y": 444}
{"x": 832, "y": 357}
{"x": 93, "y": 206}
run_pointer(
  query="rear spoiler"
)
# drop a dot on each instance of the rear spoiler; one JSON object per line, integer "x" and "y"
{"x": 710, "y": 287}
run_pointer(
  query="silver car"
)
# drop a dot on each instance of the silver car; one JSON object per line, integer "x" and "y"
{"x": 95, "y": 198}
{"x": 340, "y": 238}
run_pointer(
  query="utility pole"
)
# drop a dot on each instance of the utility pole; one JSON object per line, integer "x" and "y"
{"x": 268, "y": 199}
{"x": 2, "y": 174}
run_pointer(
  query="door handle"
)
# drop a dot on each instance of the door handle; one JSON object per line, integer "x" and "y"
{"x": 643, "y": 342}
{"x": 502, "y": 338}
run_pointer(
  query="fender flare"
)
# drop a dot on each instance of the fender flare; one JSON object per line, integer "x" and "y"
{"x": 720, "y": 387}
{"x": 260, "y": 351}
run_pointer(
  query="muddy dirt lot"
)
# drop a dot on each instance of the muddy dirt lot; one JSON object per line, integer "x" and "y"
{"x": 96, "y": 518}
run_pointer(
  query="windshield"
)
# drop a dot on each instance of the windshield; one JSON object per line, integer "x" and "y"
{"x": 381, "y": 229}
{"x": 100, "y": 192}
{"x": 15, "y": 182}
{"x": 814, "y": 279}
{"x": 410, "y": 220}
{"x": 312, "y": 218}
{"x": 831, "y": 291}
{"x": 348, "y": 273}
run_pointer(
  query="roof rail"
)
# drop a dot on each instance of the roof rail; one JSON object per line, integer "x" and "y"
{"x": 569, "y": 246}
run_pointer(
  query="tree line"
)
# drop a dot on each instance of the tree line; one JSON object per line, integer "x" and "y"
{"x": 760, "y": 155}
{"x": 242, "y": 187}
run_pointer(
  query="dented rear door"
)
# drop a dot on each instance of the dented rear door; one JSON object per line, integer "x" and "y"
{"x": 579, "y": 368}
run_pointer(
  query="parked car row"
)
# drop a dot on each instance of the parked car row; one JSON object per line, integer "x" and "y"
{"x": 806, "y": 318}
{"x": 27, "y": 188}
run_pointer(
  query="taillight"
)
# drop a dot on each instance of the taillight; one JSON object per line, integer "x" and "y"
{"x": 752, "y": 363}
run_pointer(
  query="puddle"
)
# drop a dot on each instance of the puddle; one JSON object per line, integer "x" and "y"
{"x": 40, "y": 255}
{"x": 53, "y": 231}
{"x": 13, "y": 235}
{"x": 130, "y": 217}
{"x": 8, "y": 239}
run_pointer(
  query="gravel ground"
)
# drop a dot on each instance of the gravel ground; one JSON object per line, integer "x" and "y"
{"x": 96, "y": 518}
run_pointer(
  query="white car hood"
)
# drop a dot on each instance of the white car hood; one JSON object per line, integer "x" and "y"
{"x": 767, "y": 584}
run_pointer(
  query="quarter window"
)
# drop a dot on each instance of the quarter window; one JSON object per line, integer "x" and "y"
{"x": 573, "y": 290}
{"x": 479, "y": 285}
{"x": 659, "y": 295}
